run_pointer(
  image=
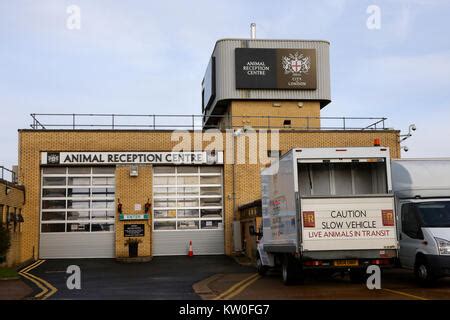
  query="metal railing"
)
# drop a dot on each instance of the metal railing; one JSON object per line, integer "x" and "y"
{"x": 77, "y": 121}
{"x": 7, "y": 175}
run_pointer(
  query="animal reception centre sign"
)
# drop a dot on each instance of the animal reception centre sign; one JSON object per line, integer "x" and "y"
{"x": 347, "y": 225}
{"x": 275, "y": 68}
{"x": 110, "y": 158}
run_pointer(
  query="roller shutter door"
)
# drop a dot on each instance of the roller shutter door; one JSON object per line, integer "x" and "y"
{"x": 188, "y": 206}
{"x": 77, "y": 212}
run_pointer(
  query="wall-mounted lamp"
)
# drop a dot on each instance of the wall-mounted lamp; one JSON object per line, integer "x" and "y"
{"x": 134, "y": 171}
{"x": 119, "y": 206}
{"x": 147, "y": 206}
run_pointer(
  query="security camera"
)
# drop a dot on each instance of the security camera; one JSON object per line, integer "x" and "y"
{"x": 411, "y": 128}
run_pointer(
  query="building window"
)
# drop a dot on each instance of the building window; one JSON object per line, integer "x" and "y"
{"x": 78, "y": 199}
{"x": 1, "y": 215}
{"x": 187, "y": 198}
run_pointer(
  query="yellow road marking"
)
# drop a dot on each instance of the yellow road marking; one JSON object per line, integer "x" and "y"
{"x": 236, "y": 286}
{"x": 44, "y": 294}
{"x": 37, "y": 283}
{"x": 33, "y": 265}
{"x": 53, "y": 290}
{"x": 25, "y": 274}
{"x": 406, "y": 294}
{"x": 242, "y": 288}
{"x": 47, "y": 290}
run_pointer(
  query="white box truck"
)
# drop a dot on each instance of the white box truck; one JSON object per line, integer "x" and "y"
{"x": 327, "y": 208}
{"x": 422, "y": 192}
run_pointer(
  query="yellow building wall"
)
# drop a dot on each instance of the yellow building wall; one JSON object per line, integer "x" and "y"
{"x": 241, "y": 182}
{"x": 272, "y": 114}
{"x": 14, "y": 199}
{"x": 131, "y": 191}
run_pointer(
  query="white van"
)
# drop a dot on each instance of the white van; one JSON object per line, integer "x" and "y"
{"x": 422, "y": 192}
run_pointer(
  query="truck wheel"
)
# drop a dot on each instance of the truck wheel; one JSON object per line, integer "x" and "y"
{"x": 288, "y": 270}
{"x": 424, "y": 274}
{"x": 260, "y": 268}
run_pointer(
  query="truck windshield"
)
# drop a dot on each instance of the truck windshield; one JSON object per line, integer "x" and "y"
{"x": 434, "y": 214}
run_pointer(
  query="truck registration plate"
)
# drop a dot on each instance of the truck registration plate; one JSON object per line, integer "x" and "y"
{"x": 346, "y": 263}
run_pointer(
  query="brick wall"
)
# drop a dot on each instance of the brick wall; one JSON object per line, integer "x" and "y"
{"x": 131, "y": 191}
{"x": 271, "y": 114}
{"x": 242, "y": 181}
{"x": 12, "y": 202}
{"x": 259, "y": 113}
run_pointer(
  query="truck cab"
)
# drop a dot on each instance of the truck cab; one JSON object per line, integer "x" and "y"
{"x": 422, "y": 192}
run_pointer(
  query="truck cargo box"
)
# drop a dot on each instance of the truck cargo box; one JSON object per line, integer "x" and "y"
{"x": 336, "y": 202}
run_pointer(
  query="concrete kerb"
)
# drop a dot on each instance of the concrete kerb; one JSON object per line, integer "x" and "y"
{"x": 244, "y": 261}
{"x": 202, "y": 287}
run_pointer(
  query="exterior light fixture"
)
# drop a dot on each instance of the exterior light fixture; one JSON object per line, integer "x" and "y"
{"x": 238, "y": 132}
{"x": 377, "y": 142}
{"x": 119, "y": 207}
{"x": 147, "y": 206}
{"x": 134, "y": 171}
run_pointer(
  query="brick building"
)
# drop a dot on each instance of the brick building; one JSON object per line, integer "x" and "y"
{"x": 91, "y": 185}
{"x": 12, "y": 199}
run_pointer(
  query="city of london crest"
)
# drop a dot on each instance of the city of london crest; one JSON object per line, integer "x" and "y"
{"x": 296, "y": 63}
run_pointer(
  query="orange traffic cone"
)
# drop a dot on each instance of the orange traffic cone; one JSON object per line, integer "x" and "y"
{"x": 191, "y": 252}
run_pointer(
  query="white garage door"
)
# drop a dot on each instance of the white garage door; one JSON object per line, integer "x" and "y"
{"x": 77, "y": 212}
{"x": 188, "y": 206}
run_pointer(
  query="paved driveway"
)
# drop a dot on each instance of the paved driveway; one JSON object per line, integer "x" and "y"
{"x": 160, "y": 279}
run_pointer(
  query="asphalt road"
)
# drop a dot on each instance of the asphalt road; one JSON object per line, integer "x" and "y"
{"x": 163, "y": 278}
{"x": 172, "y": 278}
{"x": 396, "y": 284}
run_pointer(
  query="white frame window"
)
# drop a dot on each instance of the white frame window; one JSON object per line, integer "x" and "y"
{"x": 77, "y": 199}
{"x": 187, "y": 198}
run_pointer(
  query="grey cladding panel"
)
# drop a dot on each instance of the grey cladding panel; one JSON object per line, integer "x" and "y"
{"x": 224, "y": 53}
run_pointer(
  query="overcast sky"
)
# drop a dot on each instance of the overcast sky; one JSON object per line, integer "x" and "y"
{"x": 150, "y": 56}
